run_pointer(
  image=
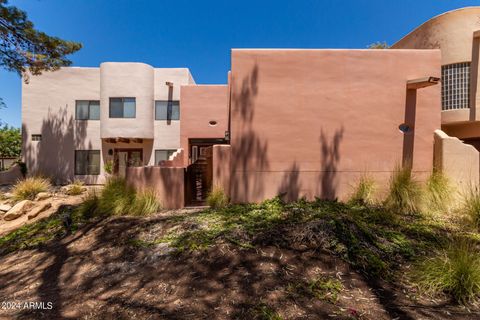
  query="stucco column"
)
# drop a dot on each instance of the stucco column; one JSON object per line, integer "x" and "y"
{"x": 474, "y": 83}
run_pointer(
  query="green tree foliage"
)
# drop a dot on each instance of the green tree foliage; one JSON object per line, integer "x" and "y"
{"x": 10, "y": 141}
{"x": 378, "y": 45}
{"x": 23, "y": 48}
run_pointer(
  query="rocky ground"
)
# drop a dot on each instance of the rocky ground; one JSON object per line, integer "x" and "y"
{"x": 113, "y": 268}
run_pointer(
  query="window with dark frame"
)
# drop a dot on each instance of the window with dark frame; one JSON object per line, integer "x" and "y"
{"x": 87, "y": 110}
{"x": 456, "y": 86}
{"x": 163, "y": 155}
{"x": 167, "y": 110}
{"x": 122, "y": 108}
{"x": 36, "y": 137}
{"x": 87, "y": 162}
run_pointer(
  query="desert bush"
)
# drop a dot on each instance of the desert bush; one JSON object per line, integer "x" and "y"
{"x": 28, "y": 188}
{"x": 217, "y": 198}
{"x": 405, "y": 193}
{"x": 145, "y": 203}
{"x": 454, "y": 271}
{"x": 118, "y": 198}
{"x": 438, "y": 193}
{"x": 364, "y": 191}
{"x": 471, "y": 205}
{"x": 75, "y": 188}
{"x": 108, "y": 167}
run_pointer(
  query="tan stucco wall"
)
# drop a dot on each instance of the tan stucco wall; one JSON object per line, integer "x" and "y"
{"x": 200, "y": 104}
{"x": 310, "y": 122}
{"x": 457, "y": 160}
{"x": 127, "y": 80}
{"x": 221, "y": 170}
{"x": 454, "y": 33}
{"x": 48, "y": 108}
{"x": 167, "y": 183}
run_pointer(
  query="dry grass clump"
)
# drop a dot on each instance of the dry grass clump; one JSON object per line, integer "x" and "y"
{"x": 454, "y": 271}
{"x": 119, "y": 198}
{"x": 438, "y": 193}
{"x": 217, "y": 198}
{"x": 364, "y": 191}
{"x": 405, "y": 192}
{"x": 28, "y": 188}
{"x": 76, "y": 188}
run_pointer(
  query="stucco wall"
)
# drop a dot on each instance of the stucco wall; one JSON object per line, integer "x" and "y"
{"x": 457, "y": 160}
{"x": 310, "y": 122}
{"x": 127, "y": 80}
{"x": 201, "y": 104}
{"x": 167, "y": 183}
{"x": 48, "y": 108}
{"x": 221, "y": 170}
{"x": 453, "y": 32}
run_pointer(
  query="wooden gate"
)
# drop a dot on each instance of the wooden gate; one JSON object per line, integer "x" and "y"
{"x": 198, "y": 178}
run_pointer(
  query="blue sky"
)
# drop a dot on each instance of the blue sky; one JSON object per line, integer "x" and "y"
{"x": 200, "y": 34}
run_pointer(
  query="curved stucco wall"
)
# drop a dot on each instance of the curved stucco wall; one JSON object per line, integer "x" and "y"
{"x": 452, "y": 32}
{"x": 127, "y": 80}
{"x": 455, "y": 33}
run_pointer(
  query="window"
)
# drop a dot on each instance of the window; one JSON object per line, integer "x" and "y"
{"x": 87, "y": 110}
{"x": 167, "y": 110}
{"x": 122, "y": 107}
{"x": 162, "y": 155}
{"x": 456, "y": 86}
{"x": 36, "y": 137}
{"x": 87, "y": 162}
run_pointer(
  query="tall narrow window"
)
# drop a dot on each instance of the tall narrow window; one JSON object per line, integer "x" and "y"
{"x": 87, "y": 110}
{"x": 163, "y": 155}
{"x": 456, "y": 86}
{"x": 122, "y": 108}
{"x": 167, "y": 110}
{"x": 87, "y": 162}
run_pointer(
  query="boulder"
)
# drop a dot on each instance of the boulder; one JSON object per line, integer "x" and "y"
{"x": 42, "y": 196}
{"x": 38, "y": 209}
{"x": 18, "y": 210}
{"x": 7, "y": 195}
{"x": 5, "y": 207}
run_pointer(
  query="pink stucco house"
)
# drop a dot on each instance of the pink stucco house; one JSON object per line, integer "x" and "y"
{"x": 299, "y": 123}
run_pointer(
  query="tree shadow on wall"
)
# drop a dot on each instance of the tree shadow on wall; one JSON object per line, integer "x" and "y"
{"x": 54, "y": 155}
{"x": 249, "y": 150}
{"x": 330, "y": 158}
{"x": 290, "y": 187}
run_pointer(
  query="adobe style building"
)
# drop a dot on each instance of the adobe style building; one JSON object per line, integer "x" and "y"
{"x": 289, "y": 122}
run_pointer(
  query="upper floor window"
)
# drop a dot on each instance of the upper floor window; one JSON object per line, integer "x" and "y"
{"x": 36, "y": 137}
{"x": 87, "y": 110}
{"x": 122, "y": 108}
{"x": 167, "y": 110}
{"x": 456, "y": 86}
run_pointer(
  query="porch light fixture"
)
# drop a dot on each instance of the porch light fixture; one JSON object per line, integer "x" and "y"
{"x": 422, "y": 82}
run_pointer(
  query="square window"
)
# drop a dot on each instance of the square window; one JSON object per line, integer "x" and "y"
{"x": 163, "y": 155}
{"x": 167, "y": 110}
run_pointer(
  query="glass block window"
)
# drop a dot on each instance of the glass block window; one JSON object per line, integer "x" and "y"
{"x": 456, "y": 86}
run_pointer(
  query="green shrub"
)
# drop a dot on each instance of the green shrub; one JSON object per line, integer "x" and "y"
{"x": 145, "y": 203}
{"x": 364, "y": 191}
{"x": 108, "y": 167}
{"x": 471, "y": 205}
{"x": 405, "y": 193}
{"x": 438, "y": 193}
{"x": 118, "y": 198}
{"x": 217, "y": 198}
{"x": 75, "y": 188}
{"x": 454, "y": 271}
{"x": 28, "y": 188}
{"x": 89, "y": 207}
